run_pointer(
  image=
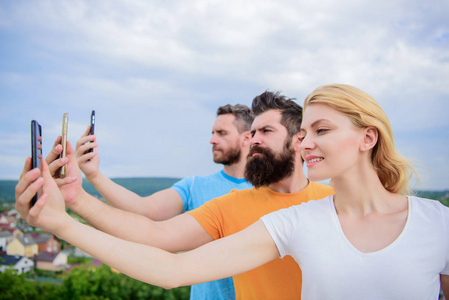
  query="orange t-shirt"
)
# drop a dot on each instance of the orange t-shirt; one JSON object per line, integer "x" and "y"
{"x": 228, "y": 214}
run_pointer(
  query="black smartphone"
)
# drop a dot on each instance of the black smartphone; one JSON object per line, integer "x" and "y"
{"x": 65, "y": 123}
{"x": 36, "y": 149}
{"x": 92, "y": 127}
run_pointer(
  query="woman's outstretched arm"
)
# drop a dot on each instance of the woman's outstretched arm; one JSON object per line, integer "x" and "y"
{"x": 229, "y": 256}
{"x": 222, "y": 258}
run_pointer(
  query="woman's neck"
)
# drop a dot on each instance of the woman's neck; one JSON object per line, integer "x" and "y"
{"x": 362, "y": 194}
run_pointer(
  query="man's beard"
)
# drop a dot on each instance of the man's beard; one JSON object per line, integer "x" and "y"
{"x": 268, "y": 167}
{"x": 230, "y": 157}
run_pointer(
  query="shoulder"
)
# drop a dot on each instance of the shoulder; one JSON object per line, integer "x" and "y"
{"x": 236, "y": 195}
{"x": 309, "y": 209}
{"x": 196, "y": 179}
{"x": 216, "y": 178}
{"x": 431, "y": 210}
{"x": 185, "y": 181}
{"x": 305, "y": 215}
{"x": 428, "y": 204}
{"x": 238, "y": 199}
{"x": 314, "y": 207}
{"x": 213, "y": 176}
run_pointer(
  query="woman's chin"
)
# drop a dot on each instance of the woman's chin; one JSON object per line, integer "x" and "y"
{"x": 316, "y": 177}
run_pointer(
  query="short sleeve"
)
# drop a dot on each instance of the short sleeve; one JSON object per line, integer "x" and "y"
{"x": 183, "y": 188}
{"x": 281, "y": 225}
{"x": 209, "y": 216}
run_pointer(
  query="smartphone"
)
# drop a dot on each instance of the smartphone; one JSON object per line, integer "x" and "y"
{"x": 65, "y": 123}
{"x": 36, "y": 149}
{"x": 92, "y": 127}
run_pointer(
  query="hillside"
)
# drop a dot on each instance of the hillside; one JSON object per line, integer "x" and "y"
{"x": 149, "y": 185}
{"x": 140, "y": 186}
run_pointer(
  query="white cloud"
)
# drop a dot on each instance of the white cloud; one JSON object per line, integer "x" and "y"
{"x": 156, "y": 71}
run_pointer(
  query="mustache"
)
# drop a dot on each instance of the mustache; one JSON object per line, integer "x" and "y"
{"x": 257, "y": 149}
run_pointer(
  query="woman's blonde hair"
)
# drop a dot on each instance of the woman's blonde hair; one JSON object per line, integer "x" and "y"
{"x": 394, "y": 170}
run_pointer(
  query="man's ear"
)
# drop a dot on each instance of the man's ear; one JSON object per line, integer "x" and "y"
{"x": 370, "y": 138}
{"x": 296, "y": 142}
{"x": 246, "y": 138}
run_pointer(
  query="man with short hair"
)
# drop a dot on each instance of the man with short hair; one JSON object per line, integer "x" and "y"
{"x": 230, "y": 145}
{"x": 274, "y": 166}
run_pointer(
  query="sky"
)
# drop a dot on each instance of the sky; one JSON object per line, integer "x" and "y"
{"x": 156, "y": 71}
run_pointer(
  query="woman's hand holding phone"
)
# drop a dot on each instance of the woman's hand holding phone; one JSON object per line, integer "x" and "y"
{"x": 71, "y": 184}
{"x": 48, "y": 213}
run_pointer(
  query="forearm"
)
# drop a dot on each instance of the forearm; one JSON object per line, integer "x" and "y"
{"x": 116, "y": 195}
{"x": 122, "y": 224}
{"x": 162, "y": 205}
{"x": 145, "y": 263}
{"x": 223, "y": 258}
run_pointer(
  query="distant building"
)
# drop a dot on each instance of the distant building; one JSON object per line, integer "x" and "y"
{"x": 16, "y": 232}
{"x": 46, "y": 242}
{"x": 8, "y": 220}
{"x": 51, "y": 261}
{"x": 3, "y": 219}
{"x": 24, "y": 246}
{"x": 5, "y": 237}
{"x": 4, "y": 226}
{"x": 16, "y": 262}
{"x": 13, "y": 212}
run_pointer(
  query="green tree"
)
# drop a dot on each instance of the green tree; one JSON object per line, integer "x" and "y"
{"x": 13, "y": 286}
{"x": 90, "y": 283}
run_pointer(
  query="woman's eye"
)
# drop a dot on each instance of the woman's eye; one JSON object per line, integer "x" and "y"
{"x": 321, "y": 130}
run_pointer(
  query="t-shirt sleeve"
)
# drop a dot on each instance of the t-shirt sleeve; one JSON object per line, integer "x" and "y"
{"x": 210, "y": 217}
{"x": 280, "y": 224}
{"x": 183, "y": 188}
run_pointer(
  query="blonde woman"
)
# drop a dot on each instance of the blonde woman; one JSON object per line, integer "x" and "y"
{"x": 368, "y": 241}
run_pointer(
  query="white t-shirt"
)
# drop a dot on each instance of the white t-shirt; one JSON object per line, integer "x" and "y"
{"x": 333, "y": 268}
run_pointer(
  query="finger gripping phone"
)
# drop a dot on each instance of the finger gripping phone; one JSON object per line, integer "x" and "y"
{"x": 65, "y": 121}
{"x": 36, "y": 149}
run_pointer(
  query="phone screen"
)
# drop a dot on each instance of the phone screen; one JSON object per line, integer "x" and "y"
{"x": 36, "y": 149}
{"x": 65, "y": 121}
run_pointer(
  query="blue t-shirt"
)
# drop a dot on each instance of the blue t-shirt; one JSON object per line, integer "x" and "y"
{"x": 194, "y": 192}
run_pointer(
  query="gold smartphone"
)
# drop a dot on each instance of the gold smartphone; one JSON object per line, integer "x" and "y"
{"x": 65, "y": 123}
